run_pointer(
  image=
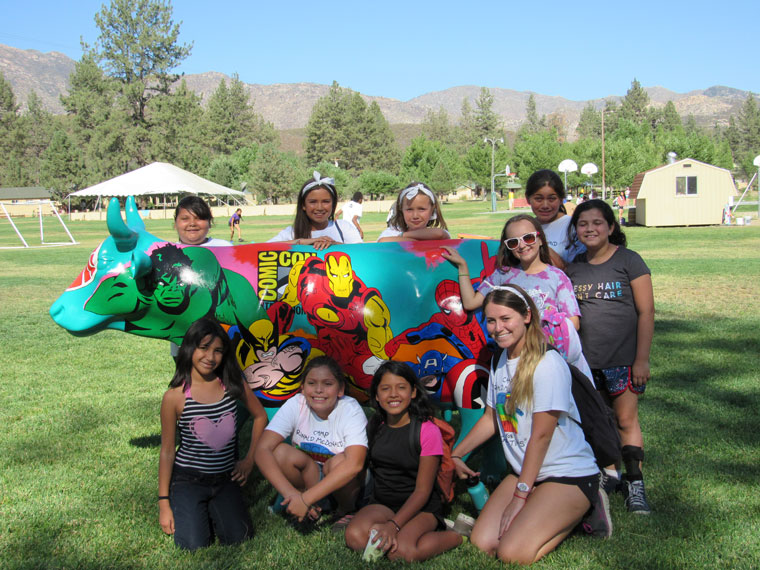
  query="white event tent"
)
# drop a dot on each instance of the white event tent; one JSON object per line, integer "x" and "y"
{"x": 158, "y": 178}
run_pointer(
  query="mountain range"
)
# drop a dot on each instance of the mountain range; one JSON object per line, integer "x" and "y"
{"x": 288, "y": 106}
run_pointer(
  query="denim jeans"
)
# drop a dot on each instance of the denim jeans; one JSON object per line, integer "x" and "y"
{"x": 206, "y": 506}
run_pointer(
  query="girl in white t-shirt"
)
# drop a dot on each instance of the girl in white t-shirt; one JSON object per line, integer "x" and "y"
{"x": 328, "y": 444}
{"x": 555, "y": 476}
{"x": 523, "y": 259}
{"x": 545, "y": 192}
{"x": 315, "y": 222}
{"x": 417, "y": 216}
{"x": 193, "y": 220}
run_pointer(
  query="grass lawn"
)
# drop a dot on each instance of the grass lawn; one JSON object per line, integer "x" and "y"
{"x": 80, "y": 424}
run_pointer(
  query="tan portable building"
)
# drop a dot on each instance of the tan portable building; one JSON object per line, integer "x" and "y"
{"x": 684, "y": 193}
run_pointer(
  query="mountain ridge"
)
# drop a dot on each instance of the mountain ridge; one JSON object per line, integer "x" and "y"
{"x": 288, "y": 105}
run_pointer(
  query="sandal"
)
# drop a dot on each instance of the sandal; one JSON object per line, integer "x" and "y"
{"x": 340, "y": 525}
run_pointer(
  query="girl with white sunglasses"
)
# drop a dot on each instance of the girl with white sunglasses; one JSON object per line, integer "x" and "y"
{"x": 523, "y": 259}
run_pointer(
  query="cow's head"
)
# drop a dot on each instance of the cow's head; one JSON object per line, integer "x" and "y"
{"x": 121, "y": 260}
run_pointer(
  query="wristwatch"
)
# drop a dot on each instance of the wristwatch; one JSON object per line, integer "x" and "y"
{"x": 523, "y": 487}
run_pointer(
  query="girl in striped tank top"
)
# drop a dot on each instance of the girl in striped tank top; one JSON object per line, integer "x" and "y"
{"x": 199, "y": 482}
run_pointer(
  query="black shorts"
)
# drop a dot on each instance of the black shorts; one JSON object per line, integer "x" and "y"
{"x": 588, "y": 485}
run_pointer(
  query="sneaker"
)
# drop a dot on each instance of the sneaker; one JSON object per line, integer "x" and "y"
{"x": 609, "y": 483}
{"x": 463, "y": 525}
{"x": 636, "y": 498}
{"x": 597, "y": 521}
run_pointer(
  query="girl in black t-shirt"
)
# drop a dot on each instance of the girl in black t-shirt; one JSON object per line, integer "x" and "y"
{"x": 613, "y": 286}
{"x": 406, "y": 509}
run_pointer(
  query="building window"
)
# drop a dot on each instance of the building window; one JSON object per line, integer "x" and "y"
{"x": 686, "y": 185}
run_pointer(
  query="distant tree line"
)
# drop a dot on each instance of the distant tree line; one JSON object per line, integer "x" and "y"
{"x": 126, "y": 108}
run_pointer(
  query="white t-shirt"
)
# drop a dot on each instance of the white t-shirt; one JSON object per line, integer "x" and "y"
{"x": 352, "y": 209}
{"x": 215, "y": 242}
{"x": 556, "y": 238}
{"x": 350, "y": 233}
{"x": 393, "y": 231}
{"x": 321, "y": 439}
{"x": 568, "y": 455}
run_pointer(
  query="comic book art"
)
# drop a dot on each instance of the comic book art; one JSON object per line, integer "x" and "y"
{"x": 283, "y": 305}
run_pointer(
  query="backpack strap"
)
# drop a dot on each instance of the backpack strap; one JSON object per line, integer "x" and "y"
{"x": 414, "y": 434}
{"x": 495, "y": 359}
{"x": 340, "y": 233}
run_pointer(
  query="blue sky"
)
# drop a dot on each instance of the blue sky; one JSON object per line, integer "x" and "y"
{"x": 581, "y": 50}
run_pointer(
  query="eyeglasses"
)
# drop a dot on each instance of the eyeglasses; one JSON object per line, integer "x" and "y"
{"x": 527, "y": 239}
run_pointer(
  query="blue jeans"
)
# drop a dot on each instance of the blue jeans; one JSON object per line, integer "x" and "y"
{"x": 205, "y": 506}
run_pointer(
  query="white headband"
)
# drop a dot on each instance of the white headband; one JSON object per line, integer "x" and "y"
{"x": 512, "y": 289}
{"x": 412, "y": 191}
{"x": 328, "y": 183}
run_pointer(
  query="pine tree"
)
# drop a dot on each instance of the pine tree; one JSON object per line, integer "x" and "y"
{"x": 671, "y": 120}
{"x": 174, "y": 135}
{"x": 436, "y": 126}
{"x": 633, "y": 107}
{"x": 62, "y": 165}
{"x": 467, "y": 132}
{"x": 138, "y": 46}
{"x": 342, "y": 128}
{"x": 230, "y": 122}
{"x": 486, "y": 121}
{"x": 533, "y": 124}
{"x": 11, "y": 137}
{"x": 590, "y": 123}
{"x": 274, "y": 174}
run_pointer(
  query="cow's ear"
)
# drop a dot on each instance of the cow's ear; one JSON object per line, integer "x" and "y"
{"x": 141, "y": 264}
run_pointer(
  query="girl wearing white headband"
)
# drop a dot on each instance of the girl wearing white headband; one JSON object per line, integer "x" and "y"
{"x": 530, "y": 406}
{"x": 418, "y": 216}
{"x": 314, "y": 224}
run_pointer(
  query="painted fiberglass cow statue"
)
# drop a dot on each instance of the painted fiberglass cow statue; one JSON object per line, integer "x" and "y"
{"x": 285, "y": 304}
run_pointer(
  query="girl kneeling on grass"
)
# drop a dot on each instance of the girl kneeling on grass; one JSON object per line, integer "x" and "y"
{"x": 199, "y": 484}
{"x": 417, "y": 216}
{"x": 529, "y": 398}
{"x": 614, "y": 290}
{"x": 406, "y": 510}
{"x": 329, "y": 444}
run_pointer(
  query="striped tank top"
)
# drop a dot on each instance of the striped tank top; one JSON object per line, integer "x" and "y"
{"x": 207, "y": 438}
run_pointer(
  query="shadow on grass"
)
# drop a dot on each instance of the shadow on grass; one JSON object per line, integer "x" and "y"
{"x": 146, "y": 441}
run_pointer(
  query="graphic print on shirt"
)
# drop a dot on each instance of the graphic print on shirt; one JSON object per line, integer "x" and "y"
{"x": 603, "y": 290}
{"x": 316, "y": 443}
{"x": 215, "y": 434}
{"x": 508, "y": 423}
{"x": 317, "y": 452}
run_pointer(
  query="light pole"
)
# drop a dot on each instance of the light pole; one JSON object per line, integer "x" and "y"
{"x": 604, "y": 188}
{"x": 756, "y": 162}
{"x": 493, "y": 152}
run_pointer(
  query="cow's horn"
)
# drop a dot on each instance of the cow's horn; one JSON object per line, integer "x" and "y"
{"x": 134, "y": 221}
{"x": 125, "y": 238}
{"x": 141, "y": 264}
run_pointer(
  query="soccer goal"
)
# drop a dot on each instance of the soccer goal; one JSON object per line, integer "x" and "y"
{"x": 43, "y": 209}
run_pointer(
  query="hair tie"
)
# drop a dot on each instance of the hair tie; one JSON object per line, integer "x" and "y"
{"x": 411, "y": 192}
{"x": 512, "y": 289}
{"x": 328, "y": 183}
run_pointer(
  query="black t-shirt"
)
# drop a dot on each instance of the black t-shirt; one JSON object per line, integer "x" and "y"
{"x": 608, "y": 314}
{"x": 394, "y": 464}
